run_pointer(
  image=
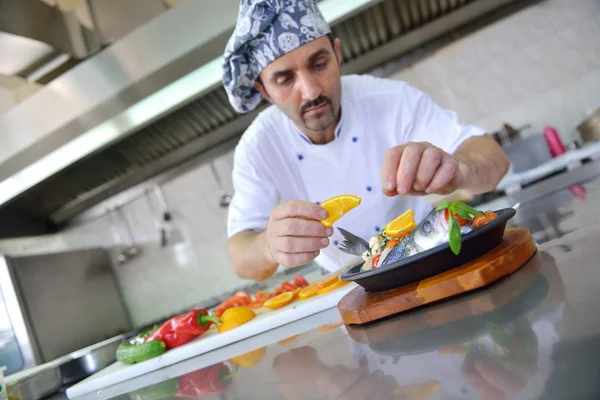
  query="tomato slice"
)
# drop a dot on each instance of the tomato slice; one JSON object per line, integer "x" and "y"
{"x": 376, "y": 260}
{"x": 300, "y": 281}
{"x": 461, "y": 221}
{"x": 288, "y": 287}
{"x": 262, "y": 296}
{"x": 256, "y": 304}
{"x": 243, "y": 297}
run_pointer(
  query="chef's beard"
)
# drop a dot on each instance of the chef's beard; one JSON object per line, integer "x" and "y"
{"x": 321, "y": 121}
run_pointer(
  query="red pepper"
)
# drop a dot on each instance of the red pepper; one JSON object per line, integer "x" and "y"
{"x": 205, "y": 382}
{"x": 182, "y": 329}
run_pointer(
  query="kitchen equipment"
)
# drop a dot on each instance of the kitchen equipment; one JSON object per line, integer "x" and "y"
{"x": 553, "y": 141}
{"x": 433, "y": 261}
{"x": 47, "y": 379}
{"x": 517, "y": 247}
{"x": 527, "y": 153}
{"x": 589, "y": 129}
{"x": 54, "y": 304}
{"x": 209, "y": 341}
{"x": 130, "y": 251}
{"x": 225, "y": 199}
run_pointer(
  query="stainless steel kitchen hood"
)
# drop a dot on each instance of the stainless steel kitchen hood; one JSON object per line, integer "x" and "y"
{"x": 154, "y": 99}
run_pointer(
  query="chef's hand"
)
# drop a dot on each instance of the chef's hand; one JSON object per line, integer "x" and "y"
{"x": 294, "y": 234}
{"x": 419, "y": 169}
{"x": 358, "y": 384}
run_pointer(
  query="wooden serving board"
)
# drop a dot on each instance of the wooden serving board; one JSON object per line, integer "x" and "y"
{"x": 360, "y": 307}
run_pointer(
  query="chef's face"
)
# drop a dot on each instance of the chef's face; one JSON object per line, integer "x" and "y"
{"x": 305, "y": 84}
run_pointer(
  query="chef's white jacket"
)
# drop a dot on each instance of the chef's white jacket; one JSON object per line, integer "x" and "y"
{"x": 275, "y": 162}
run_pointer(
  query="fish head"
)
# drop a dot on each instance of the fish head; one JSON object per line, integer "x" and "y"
{"x": 432, "y": 231}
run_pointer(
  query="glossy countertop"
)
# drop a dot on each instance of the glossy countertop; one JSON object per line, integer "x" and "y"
{"x": 532, "y": 335}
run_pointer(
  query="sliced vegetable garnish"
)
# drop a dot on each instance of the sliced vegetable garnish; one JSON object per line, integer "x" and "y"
{"x": 481, "y": 220}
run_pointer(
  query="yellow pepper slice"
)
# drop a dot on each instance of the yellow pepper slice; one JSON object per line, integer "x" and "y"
{"x": 234, "y": 317}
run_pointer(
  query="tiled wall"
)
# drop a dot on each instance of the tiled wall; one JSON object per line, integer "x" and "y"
{"x": 540, "y": 66}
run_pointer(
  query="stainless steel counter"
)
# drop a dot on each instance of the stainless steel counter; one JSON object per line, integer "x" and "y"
{"x": 535, "y": 334}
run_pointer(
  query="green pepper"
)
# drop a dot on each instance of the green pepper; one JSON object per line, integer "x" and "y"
{"x": 132, "y": 353}
{"x": 136, "y": 350}
{"x": 159, "y": 391}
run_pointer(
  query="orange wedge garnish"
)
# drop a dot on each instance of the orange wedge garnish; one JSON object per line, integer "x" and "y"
{"x": 338, "y": 206}
{"x": 308, "y": 291}
{"x": 279, "y": 300}
{"x": 402, "y": 225}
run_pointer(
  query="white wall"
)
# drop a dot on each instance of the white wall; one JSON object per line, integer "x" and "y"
{"x": 540, "y": 66}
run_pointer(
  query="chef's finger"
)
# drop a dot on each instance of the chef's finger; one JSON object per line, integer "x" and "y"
{"x": 389, "y": 170}
{"x": 430, "y": 161}
{"x": 294, "y": 259}
{"x": 302, "y": 227}
{"x": 499, "y": 377}
{"x": 300, "y": 209}
{"x": 407, "y": 170}
{"x": 294, "y": 244}
{"x": 444, "y": 175}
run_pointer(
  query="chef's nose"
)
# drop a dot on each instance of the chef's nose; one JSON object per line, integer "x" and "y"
{"x": 309, "y": 87}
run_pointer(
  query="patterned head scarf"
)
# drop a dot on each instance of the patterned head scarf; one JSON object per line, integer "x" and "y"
{"x": 265, "y": 30}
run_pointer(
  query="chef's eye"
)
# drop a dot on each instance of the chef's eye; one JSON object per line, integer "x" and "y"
{"x": 427, "y": 226}
{"x": 283, "y": 81}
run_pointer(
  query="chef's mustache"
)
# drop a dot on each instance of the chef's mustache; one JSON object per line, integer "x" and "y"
{"x": 315, "y": 103}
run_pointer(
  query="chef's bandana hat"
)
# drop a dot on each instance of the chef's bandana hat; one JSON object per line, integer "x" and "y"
{"x": 265, "y": 30}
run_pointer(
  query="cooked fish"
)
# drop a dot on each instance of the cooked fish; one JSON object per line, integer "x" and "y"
{"x": 432, "y": 231}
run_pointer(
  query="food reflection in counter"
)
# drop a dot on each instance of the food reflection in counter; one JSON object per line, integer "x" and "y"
{"x": 204, "y": 382}
{"x": 490, "y": 344}
{"x": 301, "y": 375}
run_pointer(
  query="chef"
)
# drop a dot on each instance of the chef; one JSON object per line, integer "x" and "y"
{"x": 326, "y": 135}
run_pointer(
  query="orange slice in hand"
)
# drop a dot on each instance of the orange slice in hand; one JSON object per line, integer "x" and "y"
{"x": 402, "y": 225}
{"x": 279, "y": 300}
{"x": 338, "y": 206}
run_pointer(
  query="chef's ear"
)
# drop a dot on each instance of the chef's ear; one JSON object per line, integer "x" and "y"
{"x": 261, "y": 89}
{"x": 337, "y": 48}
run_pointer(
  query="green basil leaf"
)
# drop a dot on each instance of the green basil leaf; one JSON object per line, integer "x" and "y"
{"x": 455, "y": 238}
{"x": 443, "y": 205}
{"x": 463, "y": 214}
{"x": 459, "y": 205}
